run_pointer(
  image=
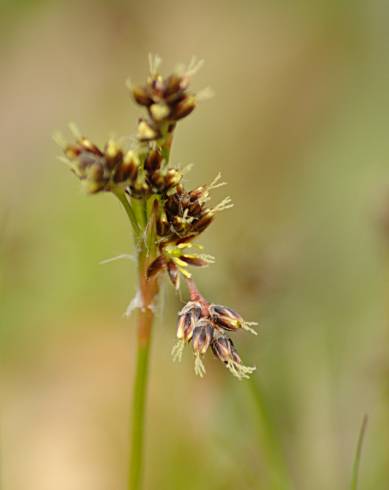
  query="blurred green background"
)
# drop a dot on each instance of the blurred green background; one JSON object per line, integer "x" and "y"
{"x": 299, "y": 130}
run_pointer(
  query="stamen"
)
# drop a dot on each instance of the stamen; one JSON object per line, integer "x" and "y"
{"x": 187, "y": 168}
{"x": 215, "y": 184}
{"x": 238, "y": 370}
{"x": 199, "y": 367}
{"x": 194, "y": 66}
{"x": 205, "y": 94}
{"x": 246, "y": 326}
{"x": 118, "y": 257}
{"x": 223, "y": 205}
{"x": 75, "y": 130}
{"x": 129, "y": 84}
{"x": 59, "y": 139}
{"x": 184, "y": 245}
{"x": 209, "y": 258}
{"x": 177, "y": 351}
{"x": 65, "y": 160}
{"x": 154, "y": 63}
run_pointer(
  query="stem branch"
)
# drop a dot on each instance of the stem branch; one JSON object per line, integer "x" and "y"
{"x": 121, "y": 195}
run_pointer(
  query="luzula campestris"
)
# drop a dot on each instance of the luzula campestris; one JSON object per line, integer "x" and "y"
{"x": 165, "y": 216}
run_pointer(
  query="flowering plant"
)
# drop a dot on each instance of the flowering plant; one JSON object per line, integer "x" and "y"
{"x": 166, "y": 218}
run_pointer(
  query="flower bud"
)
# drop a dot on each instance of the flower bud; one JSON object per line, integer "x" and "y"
{"x": 172, "y": 178}
{"x": 113, "y": 155}
{"x": 202, "y": 336}
{"x": 141, "y": 95}
{"x": 146, "y": 132}
{"x": 127, "y": 170}
{"x": 221, "y": 347}
{"x": 205, "y": 220}
{"x": 185, "y": 327}
{"x": 183, "y": 108}
{"x": 163, "y": 225}
{"x": 173, "y": 84}
{"x": 225, "y": 317}
{"x": 153, "y": 161}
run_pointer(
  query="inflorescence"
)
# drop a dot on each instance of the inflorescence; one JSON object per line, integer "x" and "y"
{"x": 172, "y": 216}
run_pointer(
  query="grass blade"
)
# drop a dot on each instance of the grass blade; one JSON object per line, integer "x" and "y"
{"x": 279, "y": 473}
{"x": 358, "y": 452}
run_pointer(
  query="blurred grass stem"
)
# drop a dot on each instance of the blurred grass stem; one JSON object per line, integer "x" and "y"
{"x": 358, "y": 452}
{"x": 279, "y": 472}
{"x": 148, "y": 290}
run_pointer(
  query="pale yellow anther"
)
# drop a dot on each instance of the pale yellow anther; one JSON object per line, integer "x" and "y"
{"x": 180, "y": 262}
{"x": 159, "y": 111}
{"x": 145, "y": 132}
{"x": 185, "y": 245}
{"x": 185, "y": 273}
{"x": 112, "y": 149}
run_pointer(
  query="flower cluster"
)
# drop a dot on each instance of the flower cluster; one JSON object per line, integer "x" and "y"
{"x": 206, "y": 325}
{"x": 167, "y": 100}
{"x": 165, "y": 215}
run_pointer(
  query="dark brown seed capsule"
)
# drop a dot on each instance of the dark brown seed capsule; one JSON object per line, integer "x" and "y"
{"x": 195, "y": 209}
{"x": 172, "y": 85}
{"x": 185, "y": 327}
{"x": 183, "y": 108}
{"x": 153, "y": 161}
{"x": 196, "y": 261}
{"x": 225, "y": 317}
{"x": 221, "y": 347}
{"x": 175, "y": 98}
{"x": 156, "y": 266}
{"x": 142, "y": 95}
{"x": 202, "y": 336}
{"x": 89, "y": 146}
{"x": 197, "y": 193}
{"x": 156, "y": 180}
{"x": 163, "y": 226}
{"x": 225, "y": 311}
{"x": 184, "y": 239}
{"x": 234, "y": 353}
{"x": 179, "y": 224}
{"x": 172, "y": 178}
{"x": 126, "y": 171}
{"x": 113, "y": 158}
{"x": 203, "y": 222}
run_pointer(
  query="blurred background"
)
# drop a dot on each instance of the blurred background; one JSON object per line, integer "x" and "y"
{"x": 299, "y": 130}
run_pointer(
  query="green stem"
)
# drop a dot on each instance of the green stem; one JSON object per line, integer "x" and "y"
{"x": 358, "y": 452}
{"x": 141, "y": 223}
{"x": 148, "y": 292}
{"x": 139, "y": 404}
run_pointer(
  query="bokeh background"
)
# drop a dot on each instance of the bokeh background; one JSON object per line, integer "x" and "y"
{"x": 299, "y": 129}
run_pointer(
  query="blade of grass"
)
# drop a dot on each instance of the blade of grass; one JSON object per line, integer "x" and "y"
{"x": 279, "y": 473}
{"x": 358, "y": 452}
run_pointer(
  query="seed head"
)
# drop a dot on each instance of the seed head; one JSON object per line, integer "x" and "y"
{"x": 200, "y": 323}
{"x": 165, "y": 215}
